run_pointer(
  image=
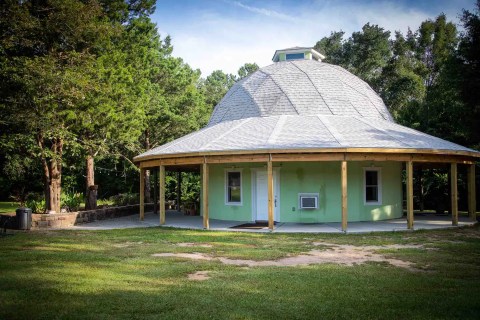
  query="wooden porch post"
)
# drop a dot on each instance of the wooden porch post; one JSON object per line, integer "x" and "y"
{"x": 454, "y": 193}
{"x": 161, "y": 169}
{"x": 155, "y": 195}
{"x": 206, "y": 222}
{"x": 142, "y": 194}
{"x": 472, "y": 205}
{"x": 344, "y": 196}
{"x": 270, "y": 194}
{"x": 409, "y": 166}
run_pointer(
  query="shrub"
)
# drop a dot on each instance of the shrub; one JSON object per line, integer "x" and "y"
{"x": 124, "y": 199}
{"x": 71, "y": 201}
{"x": 36, "y": 202}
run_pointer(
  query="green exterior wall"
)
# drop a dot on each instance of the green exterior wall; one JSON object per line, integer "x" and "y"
{"x": 216, "y": 194}
{"x": 311, "y": 177}
{"x": 282, "y": 57}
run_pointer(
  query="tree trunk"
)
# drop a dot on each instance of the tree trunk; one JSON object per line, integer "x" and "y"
{"x": 46, "y": 183}
{"x": 91, "y": 188}
{"x": 55, "y": 187}
{"x": 147, "y": 172}
{"x": 52, "y": 174}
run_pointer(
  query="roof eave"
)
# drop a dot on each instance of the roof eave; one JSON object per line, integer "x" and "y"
{"x": 403, "y": 151}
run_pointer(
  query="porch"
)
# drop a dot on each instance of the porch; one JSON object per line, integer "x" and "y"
{"x": 342, "y": 165}
{"x": 175, "y": 219}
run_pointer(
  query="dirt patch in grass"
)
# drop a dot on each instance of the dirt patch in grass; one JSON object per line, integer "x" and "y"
{"x": 199, "y": 276}
{"x": 193, "y": 244}
{"x": 193, "y": 256}
{"x": 127, "y": 244}
{"x": 332, "y": 253}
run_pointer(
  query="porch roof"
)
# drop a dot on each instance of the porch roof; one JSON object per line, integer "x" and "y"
{"x": 306, "y": 132}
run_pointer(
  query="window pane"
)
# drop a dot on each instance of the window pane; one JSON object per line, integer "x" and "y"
{"x": 234, "y": 187}
{"x": 234, "y": 194}
{"x": 234, "y": 179}
{"x": 371, "y": 178}
{"x": 371, "y": 194}
{"x": 294, "y": 56}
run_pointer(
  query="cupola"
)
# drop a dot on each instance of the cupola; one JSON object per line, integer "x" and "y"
{"x": 297, "y": 53}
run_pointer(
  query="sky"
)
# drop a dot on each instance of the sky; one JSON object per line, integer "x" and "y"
{"x": 225, "y": 34}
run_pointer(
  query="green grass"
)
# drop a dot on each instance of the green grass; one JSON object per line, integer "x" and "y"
{"x": 112, "y": 275}
{"x": 8, "y": 207}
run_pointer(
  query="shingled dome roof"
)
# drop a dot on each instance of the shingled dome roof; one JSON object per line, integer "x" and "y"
{"x": 300, "y": 87}
{"x": 302, "y": 105}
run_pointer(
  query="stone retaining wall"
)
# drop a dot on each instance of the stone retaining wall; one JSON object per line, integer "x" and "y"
{"x": 69, "y": 219}
{"x": 109, "y": 213}
{"x": 53, "y": 220}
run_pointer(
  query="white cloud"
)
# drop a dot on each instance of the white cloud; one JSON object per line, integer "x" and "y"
{"x": 214, "y": 41}
{"x": 266, "y": 12}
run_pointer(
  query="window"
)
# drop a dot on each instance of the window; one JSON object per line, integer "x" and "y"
{"x": 295, "y": 56}
{"x": 233, "y": 187}
{"x": 372, "y": 186}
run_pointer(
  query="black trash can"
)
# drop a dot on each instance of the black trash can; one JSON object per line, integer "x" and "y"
{"x": 24, "y": 218}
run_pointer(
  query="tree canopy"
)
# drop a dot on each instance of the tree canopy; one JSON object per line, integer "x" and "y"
{"x": 93, "y": 82}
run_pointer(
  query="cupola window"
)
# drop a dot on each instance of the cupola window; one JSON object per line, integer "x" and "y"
{"x": 295, "y": 56}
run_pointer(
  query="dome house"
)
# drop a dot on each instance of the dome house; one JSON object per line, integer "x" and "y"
{"x": 307, "y": 142}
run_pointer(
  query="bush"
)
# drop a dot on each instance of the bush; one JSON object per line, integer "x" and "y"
{"x": 124, "y": 199}
{"x": 36, "y": 202}
{"x": 71, "y": 201}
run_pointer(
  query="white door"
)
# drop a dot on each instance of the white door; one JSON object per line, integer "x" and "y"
{"x": 261, "y": 195}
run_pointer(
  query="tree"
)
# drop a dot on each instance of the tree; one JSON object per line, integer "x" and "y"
{"x": 367, "y": 52}
{"x": 47, "y": 69}
{"x": 402, "y": 87}
{"x": 215, "y": 86}
{"x": 68, "y": 80}
{"x": 246, "y": 70}
{"x": 469, "y": 57}
{"x": 332, "y": 48}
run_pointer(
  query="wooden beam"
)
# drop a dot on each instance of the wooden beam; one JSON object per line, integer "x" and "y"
{"x": 424, "y": 158}
{"x": 171, "y": 161}
{"x": 470, "y": 155}
{"x": 409, "y": 166}
{"x": 238, "y": 158}
{"x": 162, "y": 194}
{"x": 454, "y": 193}
{"x": 206, "y": 222}
{"x": 472, "y": 205}
{"x": 402, "y": 155}
{"x": 270, "y": 195}
{"x": 142, "y": 194}
{"x": 344, "y": 196}
{"x": 282, "y": 157}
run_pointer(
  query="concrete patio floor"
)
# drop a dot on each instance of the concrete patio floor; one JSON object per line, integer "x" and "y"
{"x": 178, "y": 220}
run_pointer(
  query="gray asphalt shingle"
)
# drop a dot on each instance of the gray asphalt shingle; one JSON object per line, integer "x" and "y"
{"x": 301, "y": 104}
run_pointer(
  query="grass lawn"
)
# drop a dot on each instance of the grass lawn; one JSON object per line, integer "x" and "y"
{"x": 8, "y": 207}
{"x": 113, "y": 275}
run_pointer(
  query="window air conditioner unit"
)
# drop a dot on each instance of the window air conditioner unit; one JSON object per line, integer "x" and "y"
{"x": 308, "y": 201}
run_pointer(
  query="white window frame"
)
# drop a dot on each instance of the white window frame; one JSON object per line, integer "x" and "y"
{"x": 227, "y": 203}
{"x": 379, "y": 177}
